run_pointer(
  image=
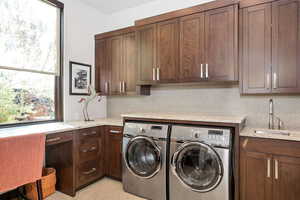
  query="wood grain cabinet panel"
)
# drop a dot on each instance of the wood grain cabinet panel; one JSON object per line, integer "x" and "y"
{"x": 286, "y": 178}
{"x": 221, "y": 44}
{"x": 256, "y": 186}
{"x": 192, "y": 47}
{"x": 167, "y": 51}
{"x": 286, "y": 46}
{"x": 269, "y": 57}
{"x": 115, "y": 63}
{"x": 256, "y": 49}
{"x": 102, "y": 70}
{"x": 129, "y": 63}
{"x": 269, "y": 169}
{"x": 146, "y": 41}
{"x": 114, "y": 136}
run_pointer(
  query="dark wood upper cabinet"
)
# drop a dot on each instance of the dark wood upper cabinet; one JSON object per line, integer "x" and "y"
{"x": 192, "y": 47}
{"x": 102, "y": 71}
{"x": 221, "y": 44}
{"x": 286, "y": 46}
{"x": 167, "y": 51}
{"x": 270, "y": 48}
{"x": 146, "y": 41}
{"x": 115, "y": 63}
{"x": 256, "y": 49}
{"x": 129, "y": 63}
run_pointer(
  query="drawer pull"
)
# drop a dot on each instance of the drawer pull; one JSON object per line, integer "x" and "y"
{"x": 90, "y": 171}
{"x": 276, "y": 169}
{"x": 89, "y": 150}
{"x": 89, "y": 134}
{"x": 114, "y": 131}
{"x": 269, "y": 168}
{"x": 54, "y": 139}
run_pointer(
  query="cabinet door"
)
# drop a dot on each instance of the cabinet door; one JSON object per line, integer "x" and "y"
{"x": 256, "y": 49}
{"x": 114, "y": 158}
{"x": 102, "y": 72}
{"x": 130, "y": 62}
{"x": 286, "y": 178}
{"x": 146, "y": 40}
{"x": 167, "y": 51}
{"x": 286, "y": 46}
{"x": 192, "y": 47}
{"x": 256, "y": 176}
{"x": 115, "y": 63}
{"x": 221, "y": 44}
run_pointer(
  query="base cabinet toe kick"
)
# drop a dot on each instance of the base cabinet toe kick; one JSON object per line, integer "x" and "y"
{"x": 84, "y": 156}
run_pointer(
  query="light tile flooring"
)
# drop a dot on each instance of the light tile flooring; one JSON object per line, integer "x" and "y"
{"x": 105, "y": 189}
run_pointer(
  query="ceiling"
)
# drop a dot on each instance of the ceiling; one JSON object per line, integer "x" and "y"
{"x": 111, "y": 6}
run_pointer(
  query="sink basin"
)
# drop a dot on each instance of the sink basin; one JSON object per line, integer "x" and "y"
{"x": 275, "y": 132}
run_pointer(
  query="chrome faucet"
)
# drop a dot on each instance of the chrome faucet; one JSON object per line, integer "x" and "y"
{"x": 271, "y": 114}
{"x": 272, "y": 117}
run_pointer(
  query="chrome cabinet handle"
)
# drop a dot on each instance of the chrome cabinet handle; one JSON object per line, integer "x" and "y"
{"x": 276, "y": 169}
{"x": 269, "y": 168}
{"x": 89, "y": 150}
{"x": 274, "y": 81}
{"x": 153, "y": 74}
{"x": 54, "y": 139}
{"x": 89, "y": 134}
{"x": 106, "y": 87}
{"x": 124, "y": 87}
{"x": 268, "y": 81}
{"x": 113, "y": 131}
{"x": 158, "y": 73}
{"x": 201, "y": 71}
{"x": 206, "y": 70}
{"x": 90, "y": 171}
{"x": 121, "y": 87}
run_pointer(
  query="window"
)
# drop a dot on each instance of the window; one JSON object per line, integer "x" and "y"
{"x": 30, "y": 61}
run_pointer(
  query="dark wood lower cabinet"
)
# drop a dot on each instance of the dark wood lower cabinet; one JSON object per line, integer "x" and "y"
{"x": 114, "y": 152}
{"x": 269, "y": 169}
{"x": 83, "y": 156}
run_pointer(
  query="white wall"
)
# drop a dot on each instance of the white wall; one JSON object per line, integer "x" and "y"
{"x": 127, "y": 17}
{"x": 82, "y": 22}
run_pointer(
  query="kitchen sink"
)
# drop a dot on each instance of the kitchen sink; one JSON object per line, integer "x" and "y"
{"x": 275, "y": 132}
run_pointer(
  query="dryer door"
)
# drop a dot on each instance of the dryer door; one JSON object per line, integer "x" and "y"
{"x": 197, "y": 166}
{"x": 143, "y": 157}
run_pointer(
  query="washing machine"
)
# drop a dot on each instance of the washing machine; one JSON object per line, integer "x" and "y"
{"x": 200, "y": 164}
{"x": 144, "y": 160}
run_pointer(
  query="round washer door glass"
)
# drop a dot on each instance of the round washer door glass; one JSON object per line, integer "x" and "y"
{"x": 198, "y": 166}
{"x": 143, "y": 157}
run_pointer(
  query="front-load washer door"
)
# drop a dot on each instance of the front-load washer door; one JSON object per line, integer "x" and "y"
{"x": 143, "y": 157}
{"x": 197, "y": 166}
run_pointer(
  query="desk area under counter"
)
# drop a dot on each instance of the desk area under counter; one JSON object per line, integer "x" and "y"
{"x": 81, "y": 152}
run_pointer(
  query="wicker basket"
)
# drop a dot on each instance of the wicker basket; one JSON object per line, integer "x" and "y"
{"x": 48, "y": 185}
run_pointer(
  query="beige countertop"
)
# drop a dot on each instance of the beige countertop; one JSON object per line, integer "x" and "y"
{"x": 49, "y": 128}
{"x": 189, "y": 117}
{"x": 294, "y": 135}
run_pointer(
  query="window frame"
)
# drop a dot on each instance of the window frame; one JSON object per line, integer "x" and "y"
{"x": 58, "y": 91}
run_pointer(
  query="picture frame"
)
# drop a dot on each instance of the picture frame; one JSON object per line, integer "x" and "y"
{"x": 80, "y": 78}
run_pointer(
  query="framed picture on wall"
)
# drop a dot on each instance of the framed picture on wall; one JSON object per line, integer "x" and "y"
{"x": 80, "y": 78}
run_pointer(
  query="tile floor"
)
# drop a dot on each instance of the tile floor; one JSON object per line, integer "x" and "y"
{"x": 105, "y": 189}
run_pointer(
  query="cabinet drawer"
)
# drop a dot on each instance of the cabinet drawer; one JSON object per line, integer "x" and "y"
{"x": 89, "y": 133}
{"x": 57, "y": 138}
{"x": 89, "y": 149}
{"x": 115, "y": 130}
{"x": 88, "y": 171}
{"x": 270, "y": 146}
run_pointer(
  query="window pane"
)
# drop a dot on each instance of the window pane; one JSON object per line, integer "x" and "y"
{"x": 29, "y": 35}
{"x": 26, "y": 96}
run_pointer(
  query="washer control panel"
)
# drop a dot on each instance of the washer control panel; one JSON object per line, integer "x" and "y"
{"x": 212, "y": 136}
